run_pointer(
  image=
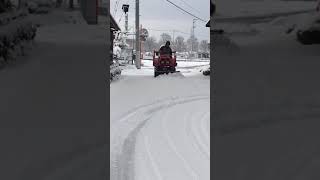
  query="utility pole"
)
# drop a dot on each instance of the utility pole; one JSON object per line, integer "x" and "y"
{"x": 126, "y": 23}
{"x": 137, "y": 61}
{"x": 125, "y": 8}
{"x": 192, "y": 34}
{"x": 173, "y": 41}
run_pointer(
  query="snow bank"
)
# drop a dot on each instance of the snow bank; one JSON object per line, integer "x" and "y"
{"x": 240, "y": 8}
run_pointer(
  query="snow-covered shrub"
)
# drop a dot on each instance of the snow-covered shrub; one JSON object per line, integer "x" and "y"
{"x": 39, "y": 6}
{"x": 5, "y": 6}
{"x": 115, "y": 71}
{"x": 7, "y": 17}
{"x": 13, "y": 38}
{"x": 206, "y": 72}
{"x": 310, "y": 34}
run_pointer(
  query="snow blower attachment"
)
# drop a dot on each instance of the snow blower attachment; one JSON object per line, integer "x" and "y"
{"x": 164, "y": 64}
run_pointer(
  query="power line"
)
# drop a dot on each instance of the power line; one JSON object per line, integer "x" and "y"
{"x": 117, "y": 4}
{"x": 120, "y": 18}
{"x": 115, "y": 8}
{"x": 186, "y": 11}
{"x": 190, "y": 6}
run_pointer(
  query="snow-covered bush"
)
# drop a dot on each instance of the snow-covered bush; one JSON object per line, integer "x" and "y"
{"x": 115, "y": 71}
{"x": 7, "y": 17}
{"x": 206, "y": 72}
{"x": 310, "y": 34}
{"x": 40, "y": 6}
{"x": 13, "y": 39}
{"x": 5, "y": 6}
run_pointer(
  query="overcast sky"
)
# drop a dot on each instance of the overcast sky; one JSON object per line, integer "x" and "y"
{"x": 160, "y": 16}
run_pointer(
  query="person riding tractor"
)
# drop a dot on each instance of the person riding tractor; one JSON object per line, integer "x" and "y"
{"x": 166, "y": 50}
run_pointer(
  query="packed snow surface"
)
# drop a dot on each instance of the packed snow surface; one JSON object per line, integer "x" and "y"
{"x": 266, "y": 116}
{"x": 160, "y": 127}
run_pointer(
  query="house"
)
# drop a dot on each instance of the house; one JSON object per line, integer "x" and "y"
{"x": 212, "y": 11}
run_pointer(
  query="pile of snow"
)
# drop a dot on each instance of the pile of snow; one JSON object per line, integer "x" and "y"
{"x": 58, "y": 16}
{"x": 298, "y": 22}
{"x": 282, "y": 26}
{"x": 241, "y": 8}
{"x": 237, "y": 28}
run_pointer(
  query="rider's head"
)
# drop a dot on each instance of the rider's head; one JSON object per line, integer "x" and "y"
{"x": 168, "y": 43}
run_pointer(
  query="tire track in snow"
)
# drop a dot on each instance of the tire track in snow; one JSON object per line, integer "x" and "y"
{"x": 196, "y": 144}
{"x": 135, "y": 110}
{"x": 198, "y": 137}
{"x": 175, "y": 150}
{"x": 205, "y": 128}
{"x": 118, "y": 164}
{"x": 154, "y": 165}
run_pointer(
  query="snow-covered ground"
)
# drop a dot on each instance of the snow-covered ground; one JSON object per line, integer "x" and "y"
{"x": 244, "y": 8}
{"x": 160, "y": 127}
{"x": 267, "y": 105}
{"x": 52, "y": 104}
{"x": 265, "y": 113}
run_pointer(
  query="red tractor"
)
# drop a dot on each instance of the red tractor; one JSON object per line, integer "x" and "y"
{"x": 164, "y": 63}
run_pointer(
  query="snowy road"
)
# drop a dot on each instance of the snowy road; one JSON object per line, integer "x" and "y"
{"x": 160, "y": 127}
{"x": 175, "y": 145}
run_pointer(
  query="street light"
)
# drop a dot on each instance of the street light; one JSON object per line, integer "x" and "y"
{"x": 125, "y": 8}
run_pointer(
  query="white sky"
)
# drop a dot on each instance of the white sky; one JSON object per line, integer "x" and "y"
{"x": 161, "y": 15}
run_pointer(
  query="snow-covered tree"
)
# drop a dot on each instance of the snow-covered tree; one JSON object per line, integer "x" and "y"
{"x": 193, "y": 44}
{"x": 204, "y": 47}
{"x": 180, "y": 44}
{"x": 163, "y": 38}
{"x": 150, "y": 44}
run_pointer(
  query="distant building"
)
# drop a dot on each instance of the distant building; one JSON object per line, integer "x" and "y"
{"x": 212, "y": 11}
{"x": 203, "y": 55}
